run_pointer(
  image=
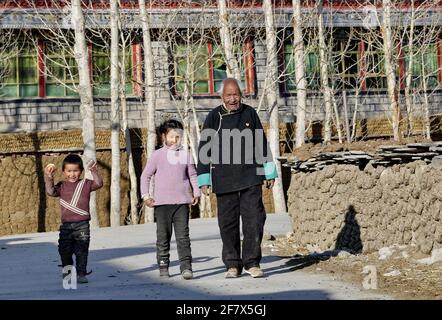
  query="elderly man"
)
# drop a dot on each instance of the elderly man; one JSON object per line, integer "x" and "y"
{"x": 234, "y": 161}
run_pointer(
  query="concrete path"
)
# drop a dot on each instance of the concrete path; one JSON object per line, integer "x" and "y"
{"x": 123, "y": 263}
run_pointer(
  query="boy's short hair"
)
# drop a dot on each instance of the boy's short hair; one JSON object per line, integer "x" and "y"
{"x": 170, "y": 124}
{"x": 72, "y": 159}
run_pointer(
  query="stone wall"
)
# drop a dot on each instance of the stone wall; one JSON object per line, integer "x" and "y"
{"x": 343, "y": 207}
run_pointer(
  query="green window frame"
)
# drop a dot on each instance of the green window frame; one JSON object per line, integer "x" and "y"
{"x": 19, "y": 73}
{"x": 425, "y": 64}
{"x": 208, "y": 68}
{"x": 200, "y": 77}
{"x": 61, "y": 72}
{"x": 345, "y": 64}
{"x": 311, "y": 64}
{"x": 375, "y": 77}
{"x": 101, "y": 71}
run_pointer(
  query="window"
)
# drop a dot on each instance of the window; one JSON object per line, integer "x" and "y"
{"x": 375, "y": 78}
{"x": 193, "y": 61}
{"x": 19, "y": 74}
{"x": 345, "y": 59}
{"x": 424, "y": 66}
{"x": 208, "y": 68}
{"x": 311, "y": 69}
{"x": 101, "y": 71}
{"x": 61, "y": 72}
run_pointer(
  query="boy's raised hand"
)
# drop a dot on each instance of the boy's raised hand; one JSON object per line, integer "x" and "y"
{"x": 195, "y": 201}
{"x": 92, "y": 165}
{"x": 50, "y": 169}
{"x": 149, "y": 202}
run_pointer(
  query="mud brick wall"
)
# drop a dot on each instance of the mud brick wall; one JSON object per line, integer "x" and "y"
{"x": 343, "y": 207}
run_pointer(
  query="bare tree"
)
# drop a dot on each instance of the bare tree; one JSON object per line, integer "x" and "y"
{"x": 115, "y": 115}
{"x": 133, "y": 217}
{"x": 226, "y": 40}
{"x": 149, "y": 88}
{"x": 390, "y": 71}
{"x": 86, "y": 97}
{"x": 301, "y": 83}
{"x": 326, "y": 89}
{"x": 272, "y": 95}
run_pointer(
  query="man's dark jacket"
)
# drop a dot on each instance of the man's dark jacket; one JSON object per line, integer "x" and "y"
{"x": 222, "y": 174}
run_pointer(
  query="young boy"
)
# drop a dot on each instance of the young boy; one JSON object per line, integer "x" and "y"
{"x": 74, "y": 196}
{"x": 175, "y": 188}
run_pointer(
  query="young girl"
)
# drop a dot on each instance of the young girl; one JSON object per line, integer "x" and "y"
{"x": 175, "y": 187}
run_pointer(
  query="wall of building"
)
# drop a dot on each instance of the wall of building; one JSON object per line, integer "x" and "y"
{"x": 43, "y": 114}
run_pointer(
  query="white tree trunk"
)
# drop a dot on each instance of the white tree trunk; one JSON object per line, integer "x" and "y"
{"x": 301, "y": 82}
{"x": 323, "y": 62}
{"x": 86, "y": 98}
{"x": 427, "y": 123}
{"x": 130, "y": 159}
{"x": 226, "y": 41}
{"x": 115, "y": 118}
{"x": 272, "y": 95}
{"x": 355, "y": 113}
{"x": 409, "y": 74}
{"x": 389, "y": 68}
{"x": 149, "y": 92}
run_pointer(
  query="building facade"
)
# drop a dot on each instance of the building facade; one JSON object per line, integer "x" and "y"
{"x": 38, "y": 78}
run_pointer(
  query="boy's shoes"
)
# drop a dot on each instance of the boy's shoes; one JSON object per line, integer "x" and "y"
{"x": 187, "y": 274}
{"x": 232, "y": 273}
{"x": 164, "y": 269}
{"x": 255, "y": 272}
{"x": 81, "y": 278}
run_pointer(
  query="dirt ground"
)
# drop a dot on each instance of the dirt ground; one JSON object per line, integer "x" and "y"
{"x": 415, "y": 281}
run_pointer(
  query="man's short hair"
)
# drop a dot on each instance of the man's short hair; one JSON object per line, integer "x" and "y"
{"x": 238, "y": 83}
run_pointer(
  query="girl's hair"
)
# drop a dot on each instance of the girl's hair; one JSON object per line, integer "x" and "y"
{"x": 72, "y": 159}
{"x": 170, "y": 124}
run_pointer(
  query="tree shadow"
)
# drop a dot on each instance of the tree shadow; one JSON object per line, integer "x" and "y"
{"x": 349, "y": 238}
{"x": 42, "y": 201}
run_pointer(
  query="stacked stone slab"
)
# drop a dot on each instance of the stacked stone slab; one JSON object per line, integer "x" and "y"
{"x": 386, "y": 155}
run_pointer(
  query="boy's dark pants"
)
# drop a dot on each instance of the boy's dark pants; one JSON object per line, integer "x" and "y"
{"x": 246, "y": 203}
{"x": 177, "y": 216}
{"x": 74, "y": 239}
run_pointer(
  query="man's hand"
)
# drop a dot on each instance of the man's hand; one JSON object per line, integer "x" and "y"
{"x": 149, "y": 202}
{"x": 50, "y": 169}
{"x": 195, "y": 201}
{"x": 205, "y": 190}
{"x": 270, "y": 183}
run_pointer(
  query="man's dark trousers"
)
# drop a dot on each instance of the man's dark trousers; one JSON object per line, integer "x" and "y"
{"x": 247, "y": 204}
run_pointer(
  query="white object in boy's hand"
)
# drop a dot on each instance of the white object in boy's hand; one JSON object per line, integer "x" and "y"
{"x": 91, "y": 164}
{"x": 50, "y": 168}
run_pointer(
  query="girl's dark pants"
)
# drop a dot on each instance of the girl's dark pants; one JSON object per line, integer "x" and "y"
{"x": 177, "y": 217}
